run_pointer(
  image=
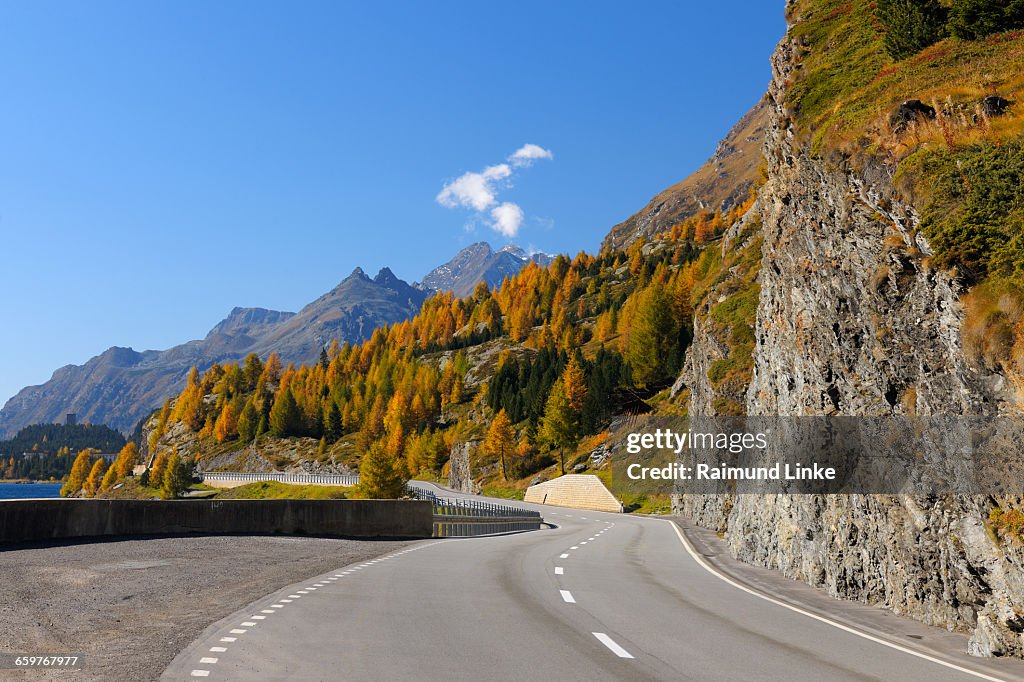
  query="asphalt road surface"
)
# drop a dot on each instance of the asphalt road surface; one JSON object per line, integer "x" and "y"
{"x": 599, "y": 597}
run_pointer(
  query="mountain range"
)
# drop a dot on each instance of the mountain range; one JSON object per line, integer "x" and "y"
{"x": 479, "y": 263}
{"x": 121, "y": 385}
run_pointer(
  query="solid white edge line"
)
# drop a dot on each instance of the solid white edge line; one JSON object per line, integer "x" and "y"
{"x": 567, "y": 597}
{"x": 612, "y": 644}
{"x": 878, "y": 640}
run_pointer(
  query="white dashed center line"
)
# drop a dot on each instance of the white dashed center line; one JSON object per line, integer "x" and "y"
{"x": 208, "y": 659}
{"x": 239, "y": 631}
{"x": 612, "y": 644}
{"x": 559, "y": 570}
{"x": 218, "y": 649}
{"x": 567, "y": 597}
{"x": 574, "y": 547}
{"x": 229, "y": 639}
{"x": 249, "y": 624}
{"x": 200, "y": 673}
{"x": 564, "y": 556}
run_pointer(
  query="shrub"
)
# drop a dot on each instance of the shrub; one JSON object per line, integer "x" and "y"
{"x": 911, "y": 25}
{"x": 973, "y": 19}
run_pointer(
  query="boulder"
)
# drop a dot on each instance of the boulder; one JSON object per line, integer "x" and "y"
{"x": 909, "y": 111}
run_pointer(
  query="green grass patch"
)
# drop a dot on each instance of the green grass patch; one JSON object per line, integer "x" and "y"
{"x": 973, "y": 206}
{"x": 273, "y": 490}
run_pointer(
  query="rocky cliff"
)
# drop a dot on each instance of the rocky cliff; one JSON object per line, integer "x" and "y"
{"x": 851, "y": 319}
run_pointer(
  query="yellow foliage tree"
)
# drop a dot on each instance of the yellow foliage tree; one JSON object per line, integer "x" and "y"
{"x": 95, "y": 479}
{"x": 79, "y": 472}
{"x": 500, "y": 440}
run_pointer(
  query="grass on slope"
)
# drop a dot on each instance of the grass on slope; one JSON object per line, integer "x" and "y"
{"x": 272, "y": 490}
{"x": 846, "y": 85}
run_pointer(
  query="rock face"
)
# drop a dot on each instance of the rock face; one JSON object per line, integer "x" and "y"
{"x": 479, "y": 263}
{"x": 724, "y": 179}
{"x": 121, "y": 385}
{"x": 852, "y": 321}
{"x": 460, "y": 474}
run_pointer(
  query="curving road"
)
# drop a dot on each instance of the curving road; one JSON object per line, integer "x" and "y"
{"x": 599, "y": 597}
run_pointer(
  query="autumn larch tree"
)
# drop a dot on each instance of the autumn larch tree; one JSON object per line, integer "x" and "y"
{"x": 575, "y": 383}
{"x": 156, "y": 473}
{"x": 79, "y": 472}
{"x": 95, "y": 479}
{"x": 126, "y": 460}
{"x": 500, "y": 440}
{"x": 381, "y": 474}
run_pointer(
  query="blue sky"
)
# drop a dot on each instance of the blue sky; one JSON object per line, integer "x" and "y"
{"x": 162, "y": 162}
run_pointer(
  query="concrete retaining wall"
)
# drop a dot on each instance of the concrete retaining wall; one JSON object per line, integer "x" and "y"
{"x": 579, "y": 491}
{"x": 40, "y": 520}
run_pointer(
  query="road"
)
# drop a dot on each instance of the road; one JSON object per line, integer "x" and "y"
{"x": 599, "y": 597}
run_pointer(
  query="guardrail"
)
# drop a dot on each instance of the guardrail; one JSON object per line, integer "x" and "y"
{"x": 299, "y": 479}
{"x": 453, "y": 517}
{"x": 459, "y": 517}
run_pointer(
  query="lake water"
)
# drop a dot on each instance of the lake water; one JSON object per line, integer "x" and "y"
{"x": 16, "y": 491}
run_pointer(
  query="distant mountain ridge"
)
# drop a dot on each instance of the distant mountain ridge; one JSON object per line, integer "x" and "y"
{"x": 479, "y": 263}
{"x": 121, "y": 385}
{"x": 724, "y": 180}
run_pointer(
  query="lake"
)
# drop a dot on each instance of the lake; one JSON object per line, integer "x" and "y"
{"x": 16, "y": 491}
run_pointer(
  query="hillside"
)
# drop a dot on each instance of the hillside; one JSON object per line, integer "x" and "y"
{"x": 723, "y": 181}
{"x": 122, "y": 385}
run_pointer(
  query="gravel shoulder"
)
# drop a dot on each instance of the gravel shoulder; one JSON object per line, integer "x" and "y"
{"x": 130, "y": 606}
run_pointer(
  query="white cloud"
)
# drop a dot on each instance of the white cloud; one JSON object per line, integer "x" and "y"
{"x": 507, "y": 218}
{"x": 528, "y": 153}
{"x": 479, "y": 191}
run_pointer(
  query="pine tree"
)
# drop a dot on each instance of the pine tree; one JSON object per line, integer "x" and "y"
{"x": 500, "y": 440}
{"x": 653, "y": 347}
{"x": 381, "y": 475}
{"x": 176, "y": 479}
{"x": 79, "y": 472}
{"x": 95, "y": 479}
{"x": 285, "y": 417}
{"x": 911, "y": 25}
{"x": 558, "y": 427}
{"x": 973, "y": 19}
{"x": 247, "y": 422}
{"x": 333, "y": 425}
